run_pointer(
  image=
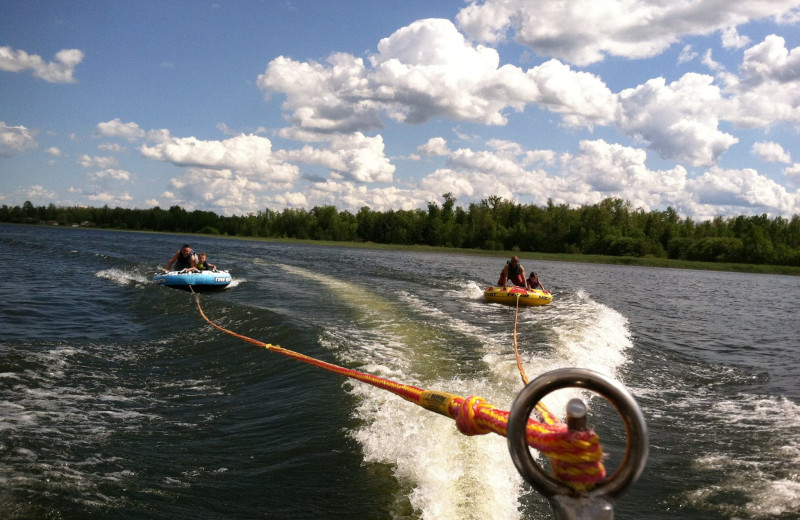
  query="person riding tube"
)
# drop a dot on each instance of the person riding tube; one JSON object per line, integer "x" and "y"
{"x": 513, "y": 272}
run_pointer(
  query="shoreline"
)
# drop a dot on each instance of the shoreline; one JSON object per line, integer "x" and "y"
{"x": 526, "y": 255}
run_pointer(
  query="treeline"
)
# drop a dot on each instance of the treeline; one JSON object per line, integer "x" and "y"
{"x": 610, "y": 227}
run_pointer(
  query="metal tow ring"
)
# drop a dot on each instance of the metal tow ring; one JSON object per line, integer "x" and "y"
{"x": 598, "y": 503}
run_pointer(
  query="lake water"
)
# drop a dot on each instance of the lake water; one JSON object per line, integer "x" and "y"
{"x": 117, "y": 401}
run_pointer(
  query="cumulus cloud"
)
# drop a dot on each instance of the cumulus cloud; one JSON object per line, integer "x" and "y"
{"x": 222, "y": 190}
{"x": 323, "y": 99}
{"x": 434, "y": 146}
{"x": 597, "y": 170}
{"x": 741, "y": 191}
{"x": 772, "y": 152}
{"x": 38, "y": 192}
{"x": 60, "y": 70}
{"x": 485, "y": 161}
{"x": 771, "y": 60}
{"x": 15, "y": 139}
{"x": 352, "y": 156}
{"x": 583, "y": 32}
{"x": 352, "y": 197}
{"x": 248, "y": 155}
{"x": 110, "y": 173}
{"x": 110, "y": 199}
{"x": 97, "y": 162}
{"x": 116, "y": 128}
{"x": 767, "y": 90}
{"x": 613, "y": 170}
{"x": 731, "y": 39}
{"x": 427, "y": 70}
{"x": 792, "y": 171}
{"x": 678, "y": 120}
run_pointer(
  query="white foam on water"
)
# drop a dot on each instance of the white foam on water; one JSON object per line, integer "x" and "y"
{"x": 443, "y": 473}
{"x": 588, "y": 334}
{"x": 472, "y": 290}
{"x": 61, "y": 407}
{"x": 123, "y": 277}
{"x": 446, "y": 475}
{"x": 774, "y": 498}
{"x": 766, "y": 473}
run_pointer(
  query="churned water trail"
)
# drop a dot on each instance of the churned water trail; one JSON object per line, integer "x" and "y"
{"x": 442, "y": 474}
{"x": 399, "y": 335}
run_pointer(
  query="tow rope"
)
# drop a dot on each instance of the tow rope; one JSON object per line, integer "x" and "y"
{"x": 548, "y": 416}
{"x": 516, "y": 348}
{"x": 576, "y": 456}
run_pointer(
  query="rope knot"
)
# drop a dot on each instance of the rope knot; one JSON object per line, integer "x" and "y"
{"x": 576, "y": 457}
{"x": 465, "y": 417}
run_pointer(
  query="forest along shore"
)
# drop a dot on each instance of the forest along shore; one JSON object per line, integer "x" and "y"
{"x": 647, "y": 261}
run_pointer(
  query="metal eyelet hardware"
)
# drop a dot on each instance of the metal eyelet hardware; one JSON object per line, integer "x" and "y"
{"x": 597, "y": 503}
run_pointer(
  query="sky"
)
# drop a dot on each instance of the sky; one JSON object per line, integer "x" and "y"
{"x": 238, "y": 106}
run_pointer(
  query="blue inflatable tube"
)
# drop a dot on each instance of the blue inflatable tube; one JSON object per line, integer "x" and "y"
{"x": 202, "y": 281}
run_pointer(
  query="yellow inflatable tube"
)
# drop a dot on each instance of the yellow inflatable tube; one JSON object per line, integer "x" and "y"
{"x": 510, "y": 295}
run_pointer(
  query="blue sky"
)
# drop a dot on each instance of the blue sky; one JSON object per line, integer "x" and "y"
{"x": 239, "y": 106}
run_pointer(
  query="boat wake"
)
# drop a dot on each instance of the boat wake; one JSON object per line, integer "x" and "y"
{"x": 412, "y": 339}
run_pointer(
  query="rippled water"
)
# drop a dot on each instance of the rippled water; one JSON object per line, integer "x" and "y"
{"x": 118, "y": 401}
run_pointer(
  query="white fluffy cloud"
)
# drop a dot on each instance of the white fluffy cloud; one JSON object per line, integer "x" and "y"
{"x": 352, "y": 197}
{"x": 792, "y": 171}
{"x": 679, "y": 120}
{"x": 772, "y": 152}
{"x": 731, "y": 39}
{"x": 15, "y": 139}
{"x": 221, "y": 190}
{"x": 598, "y": 170}
{"x": 116, "y": 128}
{"x": 60, "y": 70}
{"x": 316, "y": 94}
{"x": 740, "y": 191}
{"x": 586, "y": 31}
{"x": 110, "y": 199}
{"x": 352, "y": 156}
{"x": 249, "y": 155}
{"x": 429, "y": 70}
{"x": 111, "y": 174}
{"x": 767, "y": 92}
{"x": 434, "y": 146}
{"x": 97, "y": 162}
{"x": 770, "y": 60}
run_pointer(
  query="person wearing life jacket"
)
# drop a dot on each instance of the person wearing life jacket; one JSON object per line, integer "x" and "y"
{"x": 534, "y": 283}
{"x": 202, "y": 263}
{"x": 513, "y": 272}
{"x": 183, "y": 259}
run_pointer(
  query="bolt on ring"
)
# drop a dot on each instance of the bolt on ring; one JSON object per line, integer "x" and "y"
{"x": 636, "y": 429}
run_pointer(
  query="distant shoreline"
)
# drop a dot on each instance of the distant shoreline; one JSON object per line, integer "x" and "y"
{"x": 555, "y": 257}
